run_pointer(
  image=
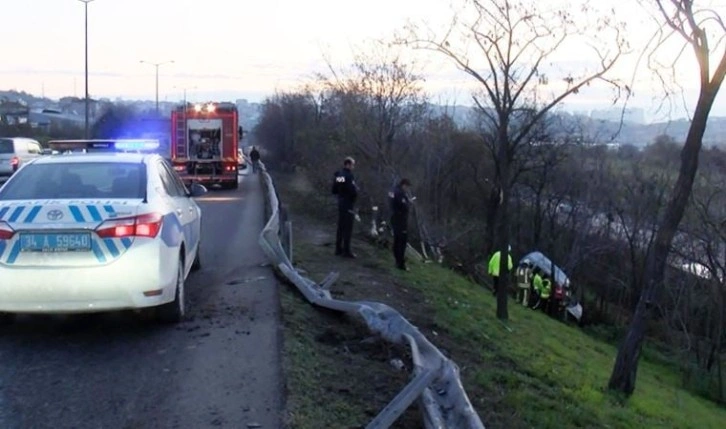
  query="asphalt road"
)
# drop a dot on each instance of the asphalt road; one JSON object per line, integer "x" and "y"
{"x": 220, "y": 368}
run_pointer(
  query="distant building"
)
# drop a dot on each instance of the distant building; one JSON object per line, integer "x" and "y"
{"x": 48, "y": 118}
{"x": 77, "y": 106}
{"x": 13, "y": 112}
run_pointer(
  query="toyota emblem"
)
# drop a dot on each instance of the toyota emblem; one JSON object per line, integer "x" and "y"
{"x": 55, "y": 215}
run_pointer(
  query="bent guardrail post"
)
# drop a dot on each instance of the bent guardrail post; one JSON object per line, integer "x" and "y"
{"x": 436, "y": 382}
{"x": 402, "y": 401}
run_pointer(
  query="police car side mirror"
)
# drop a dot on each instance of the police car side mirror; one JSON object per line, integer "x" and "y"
{"x": 197, "y": 190}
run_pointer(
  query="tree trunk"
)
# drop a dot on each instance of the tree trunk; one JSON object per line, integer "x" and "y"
{"x": 503, "y": 224}
{"x": 625, "y": 370}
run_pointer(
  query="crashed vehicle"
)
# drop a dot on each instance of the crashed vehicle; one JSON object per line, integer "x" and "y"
{"x": 562, "y": 293}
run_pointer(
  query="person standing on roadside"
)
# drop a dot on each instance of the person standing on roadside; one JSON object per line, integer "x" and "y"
{"x": 255, "y": 158}
{"x": 494, "y": 268}
{"x": 399, "y": 221}
{"x": 346, "y": 190}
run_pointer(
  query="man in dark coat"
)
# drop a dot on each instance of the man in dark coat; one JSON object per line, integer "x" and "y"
{"x": 399, "y": 221}
{"x": 347, "y": 191}
{"x": 255, "y": 158}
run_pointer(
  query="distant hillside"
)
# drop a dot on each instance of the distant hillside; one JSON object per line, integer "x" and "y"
{"x": 589, "y": 129}
{"x": 608, "y": 131}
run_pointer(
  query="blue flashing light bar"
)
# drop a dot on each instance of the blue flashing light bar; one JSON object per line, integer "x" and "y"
{"x": 103, "y": 145}
{"x": 137, "y": 145}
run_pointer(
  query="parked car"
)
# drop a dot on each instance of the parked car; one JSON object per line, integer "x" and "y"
{"x": 16, "y": 151}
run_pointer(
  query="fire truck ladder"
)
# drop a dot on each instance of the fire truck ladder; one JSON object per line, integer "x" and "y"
{"x": 181, "y": 137}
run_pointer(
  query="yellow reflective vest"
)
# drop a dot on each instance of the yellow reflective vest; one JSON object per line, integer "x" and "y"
{"x": 494, "y": 264}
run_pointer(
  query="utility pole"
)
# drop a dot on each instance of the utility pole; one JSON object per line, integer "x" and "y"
{"x": 85, "y": 3}
{"x": 184, "y": 90}
{"x": 156, "y": 66}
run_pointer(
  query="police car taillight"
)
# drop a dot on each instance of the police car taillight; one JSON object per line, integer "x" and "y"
{"x": 6, "y": 233}
{"x": 146, "y": 225}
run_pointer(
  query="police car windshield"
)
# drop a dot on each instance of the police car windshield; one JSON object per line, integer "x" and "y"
{"x": 6, "y": 146}
{"x": 77, "y": 180}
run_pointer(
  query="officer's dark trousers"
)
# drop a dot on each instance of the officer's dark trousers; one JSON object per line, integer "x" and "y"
{"x": 345, "y": 231}
{"x": 400, "y": 240}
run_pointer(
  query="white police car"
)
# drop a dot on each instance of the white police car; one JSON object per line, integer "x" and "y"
{"x": 95, "y": 232}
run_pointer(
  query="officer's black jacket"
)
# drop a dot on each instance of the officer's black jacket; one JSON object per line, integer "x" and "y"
{"x": 347, "y": 189}
{"x": 399, "y": 207}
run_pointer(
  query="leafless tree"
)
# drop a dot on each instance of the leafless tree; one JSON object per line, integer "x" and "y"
{"x": 509, "y": 48}
{"x": 380, "y": 96}
{"x": 680, "y": 20}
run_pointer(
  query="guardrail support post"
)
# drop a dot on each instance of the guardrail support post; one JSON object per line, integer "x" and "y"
{"x": 402, "y": 401}
{"x": 288, "y": 227}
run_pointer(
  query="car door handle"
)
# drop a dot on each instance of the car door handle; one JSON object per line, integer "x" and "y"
{"x": 179, "y": 212}
{"x": 191, "y": 209}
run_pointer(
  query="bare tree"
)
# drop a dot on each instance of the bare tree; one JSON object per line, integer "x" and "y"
{"x": 682, "y": 20}
{"x": 380, "y": 95}
{"x": 515, "y": 46}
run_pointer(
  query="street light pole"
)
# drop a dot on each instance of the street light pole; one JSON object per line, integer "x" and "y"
{"x": 156, "y": 65}
{"x": 184, "y": 90}
{"x": 85, "y": 4}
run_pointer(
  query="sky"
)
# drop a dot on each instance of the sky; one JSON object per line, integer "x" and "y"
{"x": 250, "y": 49}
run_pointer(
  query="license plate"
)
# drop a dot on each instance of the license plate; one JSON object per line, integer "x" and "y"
{"x": 78, "y": 242}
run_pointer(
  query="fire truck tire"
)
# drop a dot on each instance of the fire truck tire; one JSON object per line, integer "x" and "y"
{"x": 234, "y": 185}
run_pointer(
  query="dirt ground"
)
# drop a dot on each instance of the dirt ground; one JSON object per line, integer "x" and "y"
{"x": 337, "y": 376}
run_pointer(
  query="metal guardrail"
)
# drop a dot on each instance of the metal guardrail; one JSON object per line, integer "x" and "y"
{"x": 435, "y": 383}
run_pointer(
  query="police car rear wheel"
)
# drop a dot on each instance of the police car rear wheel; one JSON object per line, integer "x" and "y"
{"x": 197, "y": 264}
{"x": 174, "y": 311}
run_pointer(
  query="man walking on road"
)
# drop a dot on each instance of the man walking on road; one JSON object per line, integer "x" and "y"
{"x": 399, "y": 221}
{"x": 255, "y": 158}
{"x": 347, "y": 191}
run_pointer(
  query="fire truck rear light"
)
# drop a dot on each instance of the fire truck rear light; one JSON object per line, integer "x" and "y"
{"x": 179, "y": 168}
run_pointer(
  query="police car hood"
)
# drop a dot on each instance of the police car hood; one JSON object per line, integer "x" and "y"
{"x": 65, "y": 214}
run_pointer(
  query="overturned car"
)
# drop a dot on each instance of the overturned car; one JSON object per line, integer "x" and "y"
{"x": 562, "y": 291}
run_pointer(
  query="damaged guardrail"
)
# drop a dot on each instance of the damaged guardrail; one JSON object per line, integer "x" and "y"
{"x": 435, "y": 383}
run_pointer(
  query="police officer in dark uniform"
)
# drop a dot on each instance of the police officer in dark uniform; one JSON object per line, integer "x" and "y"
{"x": 347, "y": 191}
{"x": 399, "y": 221}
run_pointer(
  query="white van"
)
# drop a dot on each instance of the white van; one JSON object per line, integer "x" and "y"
{"x": 14, "y": 152}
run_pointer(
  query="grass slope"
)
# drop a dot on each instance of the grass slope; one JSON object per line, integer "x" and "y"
{"x": 553, "y": 375}
{"x": 533, "y": 372}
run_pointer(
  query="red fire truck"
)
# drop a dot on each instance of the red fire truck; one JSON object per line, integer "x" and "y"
{"x": 204, "y": 142}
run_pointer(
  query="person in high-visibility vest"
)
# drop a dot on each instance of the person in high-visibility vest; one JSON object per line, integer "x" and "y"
{"x": 524, "y": 282}
{"x": 494, "y": 263}
{"x": 545, "y": 293}
{"x": 537, "y": 286}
